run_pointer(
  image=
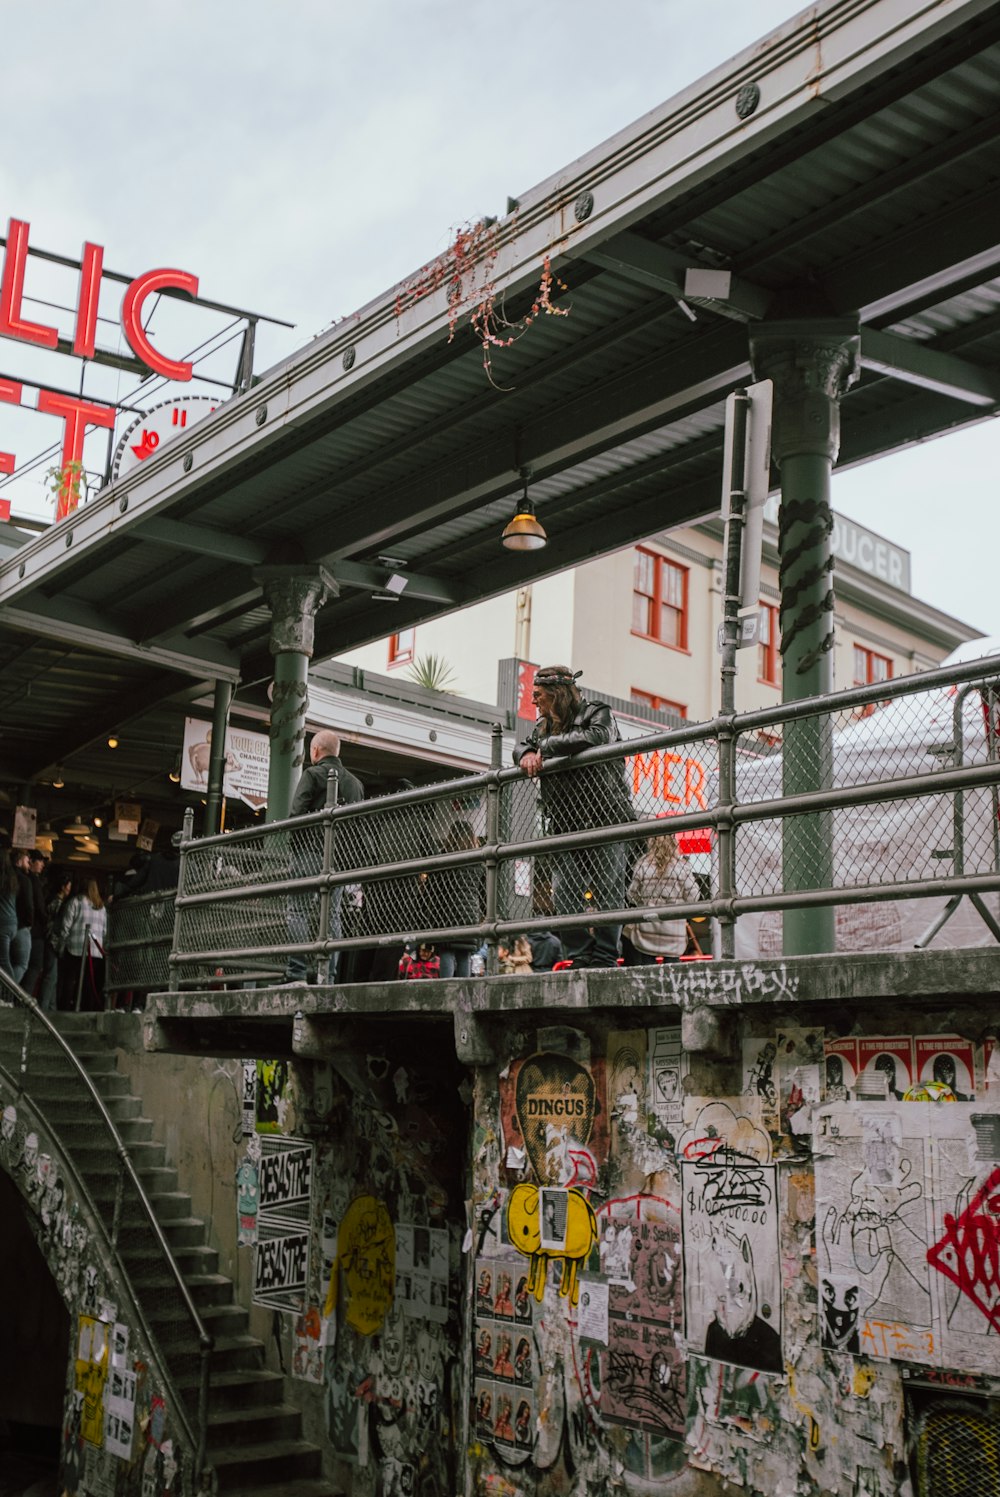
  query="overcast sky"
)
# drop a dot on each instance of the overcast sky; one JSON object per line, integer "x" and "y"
{"x": 302, "y": 158}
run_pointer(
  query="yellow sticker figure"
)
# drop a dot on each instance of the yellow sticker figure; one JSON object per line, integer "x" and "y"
{"x": 366, "y": 1256}
{"x": 562, "y": 1228}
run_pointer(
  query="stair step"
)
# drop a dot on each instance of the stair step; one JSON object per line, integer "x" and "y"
{"x": 264, "y": 1423}
{"x": 69, "y": 1108}
{"x": 197, "y": 1260}
{"x": 237, "y": 1466}
{"x": 236, "y": 1389}
{"x": 304, "y": 1488}
{"x": 237, "y": 1354}
{"x": 46, "y": 1081}
{"x": 171, "y": 1206}
{"x": 147, "y": 1156}
{"x": 208, "y": 1290}
{"x": 184, "y": 1231}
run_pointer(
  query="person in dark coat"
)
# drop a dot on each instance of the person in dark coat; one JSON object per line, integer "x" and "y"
{"x": 39, "y": 920}
{"x": 310, "y": 795}
{"x": 591, "y": 878}
{"x": 20, "y": 948}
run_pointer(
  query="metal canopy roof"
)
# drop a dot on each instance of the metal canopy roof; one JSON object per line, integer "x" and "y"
{"x": 864, "y": 180}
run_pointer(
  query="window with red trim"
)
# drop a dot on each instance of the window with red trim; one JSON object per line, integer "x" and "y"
{"x": 768, "y": 653}
{"x": 869, "y": 669}
{"x": 660, "y": 599}
{"x": 659, "y": 704}
{"x": 401, "y": 646}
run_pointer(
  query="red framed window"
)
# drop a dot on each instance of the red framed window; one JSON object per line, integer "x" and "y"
{"x": 768, "y": 654}
{"x": 659, "y": 704}
{"x": 401, "y": 646}
{"x": 869, "y": 669}
{"x": 660, "y": 599}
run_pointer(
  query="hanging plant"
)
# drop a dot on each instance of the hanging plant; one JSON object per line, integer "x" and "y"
{"x": 466, "y": 269}
{"x": 65, "y": 482}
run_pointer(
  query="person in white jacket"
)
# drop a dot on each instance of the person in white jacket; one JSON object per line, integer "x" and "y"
{"x": 660, "y": 877}
{"x": 81, "y": 937}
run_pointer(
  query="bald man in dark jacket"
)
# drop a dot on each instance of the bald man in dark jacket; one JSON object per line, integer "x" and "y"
{"x": 310, "y": 795}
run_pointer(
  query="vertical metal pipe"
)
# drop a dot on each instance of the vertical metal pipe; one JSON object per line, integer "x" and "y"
{"x": 726, "y": 840}
{"x": 188, "y": 833}
{"x": 217, "y": 760}
{"x": 329, "y": 839}
{"x": 492, "y": 838}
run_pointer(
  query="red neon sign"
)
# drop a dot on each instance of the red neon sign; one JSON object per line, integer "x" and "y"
{"x": 78, "y": 414}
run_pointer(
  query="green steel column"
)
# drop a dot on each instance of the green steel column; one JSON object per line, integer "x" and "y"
{"x": 217, "y": 760}
{"x": 295, "y": 594}
{"x": 812, "y": 363}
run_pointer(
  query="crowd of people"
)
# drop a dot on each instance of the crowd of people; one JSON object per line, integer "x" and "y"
{"x": 54, "y": 923}
{"x": 53, "y": 931}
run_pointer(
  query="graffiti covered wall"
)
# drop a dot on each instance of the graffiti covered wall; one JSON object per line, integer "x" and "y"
{"x": 350, "y": 1206}
{"x": 686, "y": 1272}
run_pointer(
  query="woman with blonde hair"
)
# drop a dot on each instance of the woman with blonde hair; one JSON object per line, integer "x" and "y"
{"x": 80, "y": 939}
{"x": 661, "y": 877}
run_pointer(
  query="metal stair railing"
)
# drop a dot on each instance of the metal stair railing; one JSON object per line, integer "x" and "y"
{"x": 196, "y": 1436}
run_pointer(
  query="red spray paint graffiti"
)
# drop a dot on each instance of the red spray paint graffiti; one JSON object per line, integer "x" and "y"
{"x": 969, "y": 1252}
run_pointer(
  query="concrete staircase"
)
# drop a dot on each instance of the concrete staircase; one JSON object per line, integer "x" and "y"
{"x": 254, "y": 1437}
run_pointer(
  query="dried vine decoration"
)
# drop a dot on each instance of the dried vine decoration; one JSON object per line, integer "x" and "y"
{"x": 466, "y": 269}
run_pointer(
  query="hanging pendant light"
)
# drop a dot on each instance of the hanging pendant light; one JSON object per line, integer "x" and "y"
{"x": 524, "y": 532}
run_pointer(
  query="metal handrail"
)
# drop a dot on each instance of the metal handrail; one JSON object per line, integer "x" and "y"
{"x": 196, "y": 1440}
{"x": 725, "y": 815}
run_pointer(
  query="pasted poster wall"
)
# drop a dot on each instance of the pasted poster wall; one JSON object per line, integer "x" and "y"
{"x": 357, "y": 1225}
{"x": 678, "y": 1263}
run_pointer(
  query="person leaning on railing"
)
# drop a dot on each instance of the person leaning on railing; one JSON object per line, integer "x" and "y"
{"x": 589, "y": 878}
{"x": 310, "y": 795}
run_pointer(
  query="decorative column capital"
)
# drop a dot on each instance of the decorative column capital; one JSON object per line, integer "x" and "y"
{"x": 813, "y": 362}
{"x": 295, "y": 593}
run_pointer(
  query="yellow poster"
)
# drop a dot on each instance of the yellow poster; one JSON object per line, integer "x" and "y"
{"x": 91, "y": 1375}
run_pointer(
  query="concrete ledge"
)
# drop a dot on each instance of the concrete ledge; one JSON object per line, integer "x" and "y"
{"x": 260, "y": 1020}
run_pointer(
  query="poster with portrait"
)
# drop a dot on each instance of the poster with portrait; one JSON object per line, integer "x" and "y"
{"x": 949, "y": 1060}
{"x": 732, "y": 1275}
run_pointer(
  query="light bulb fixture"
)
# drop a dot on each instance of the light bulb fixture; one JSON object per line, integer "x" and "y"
{"x": 112, "y": 740}
{"x": 175, "y": 774}
{"x": 57, "y": 778}
{"x": 88, "y": 844}
{"x": 77, "y": 828}
{"x": 98, "y": 820}
{"x": 524, "y": 532}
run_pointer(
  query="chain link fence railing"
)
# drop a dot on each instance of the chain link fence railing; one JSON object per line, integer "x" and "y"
{"x": 872, "y": 796}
